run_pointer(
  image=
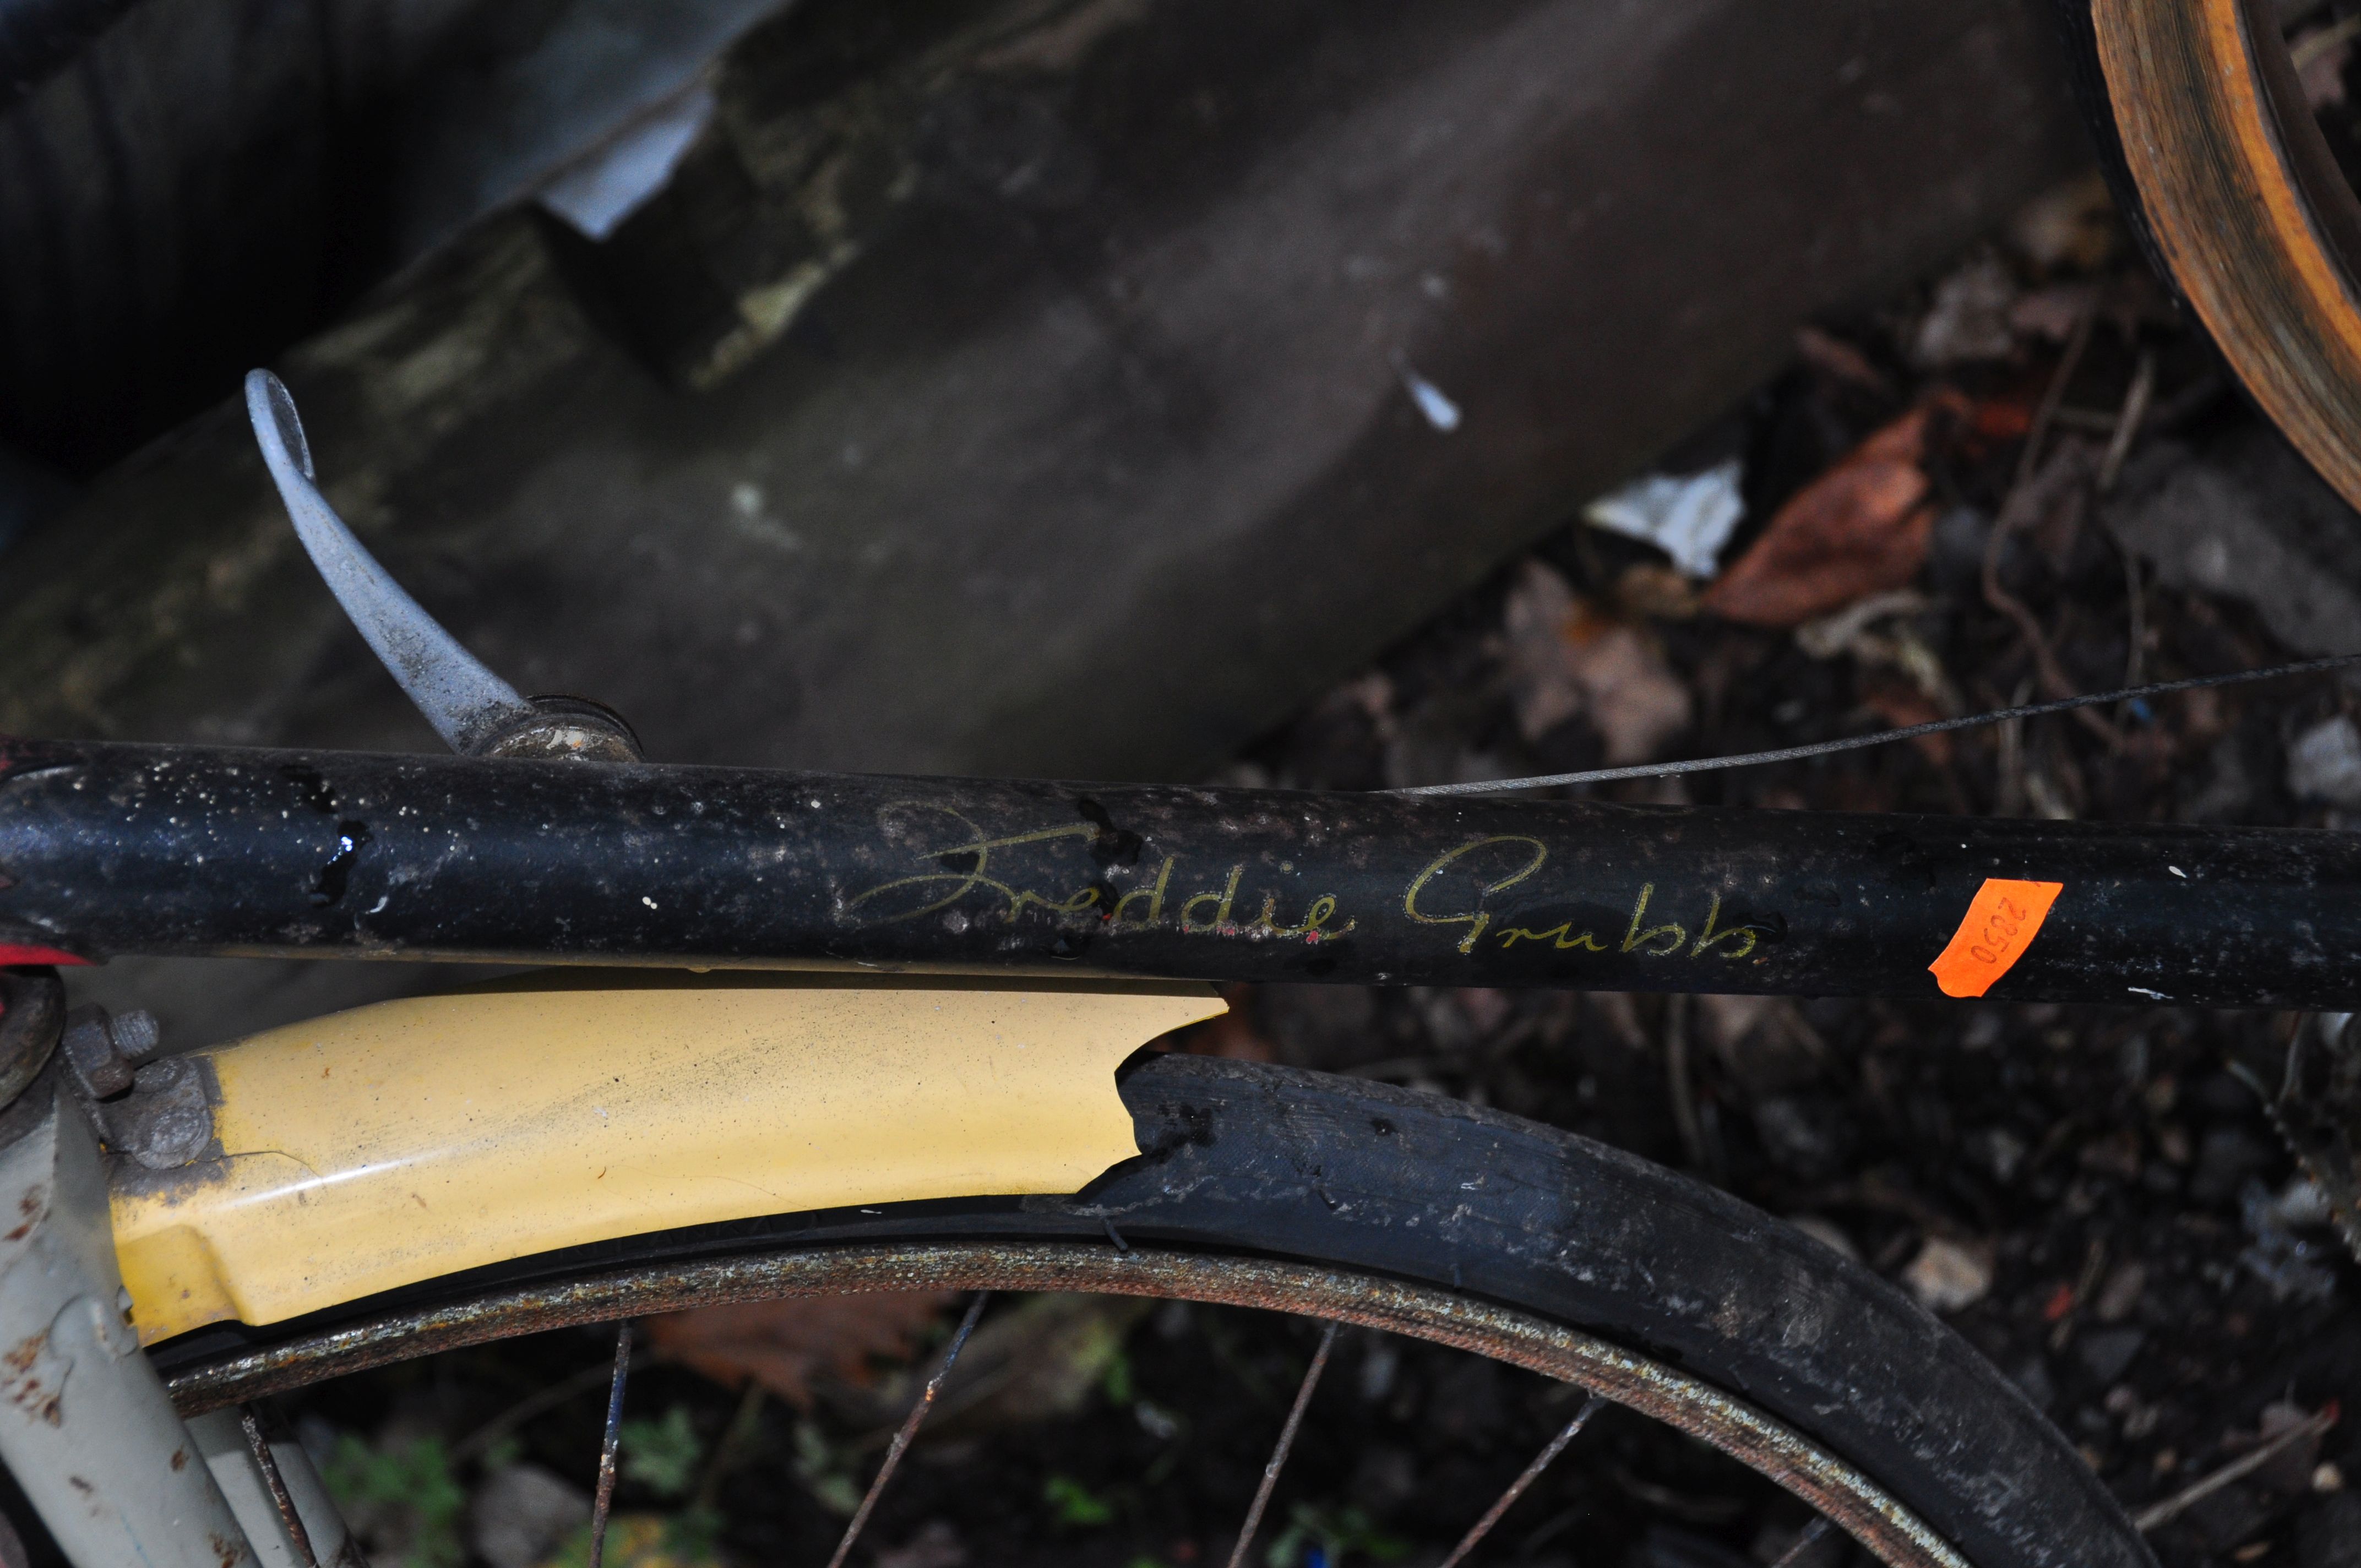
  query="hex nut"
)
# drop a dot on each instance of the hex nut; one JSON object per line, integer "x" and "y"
{"x": 98, "y": 1066}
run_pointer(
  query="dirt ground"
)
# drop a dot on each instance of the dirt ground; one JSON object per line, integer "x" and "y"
{"x": 2025, "y": 477}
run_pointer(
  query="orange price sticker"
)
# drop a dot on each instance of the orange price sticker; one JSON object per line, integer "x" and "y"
{"x": 2002, "y": 921}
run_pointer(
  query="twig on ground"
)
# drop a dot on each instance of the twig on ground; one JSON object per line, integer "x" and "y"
{"x": 736, "y": 1439}
{"x": 2024, "y": 494}
{"x": 2008, "y": 793}
{"x": 2046, "y": 414}
{"x": 2137, "y": 403}
{"x": 2127, "y": 427}
{"x": 2024, "y": 501}
{"x": 2262, "y": 1453}
{"x": 2095, "y": 1262}
{"x": 2306, "y": 50}
{"x": 1680, "y": 1082}
{"x": 2136, "y": 616}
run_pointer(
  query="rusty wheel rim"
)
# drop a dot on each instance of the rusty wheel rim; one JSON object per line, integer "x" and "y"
{"x": 2246, "y": 207}
{"x": 1835, "y": 1490}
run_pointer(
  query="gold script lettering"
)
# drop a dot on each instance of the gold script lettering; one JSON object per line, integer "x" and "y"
{"x": 1220, "y": 902}
{"x": 1475, "y": 919}
{"x": 1557, "y": 936}
{"x": 959, "y": 885}
{"x": 1154, "y": 894}
{"x": 1636, "y": 937}
{"x": 1709, "y": 938}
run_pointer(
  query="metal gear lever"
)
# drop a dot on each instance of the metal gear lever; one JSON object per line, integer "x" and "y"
{"x": 473, "y": 709}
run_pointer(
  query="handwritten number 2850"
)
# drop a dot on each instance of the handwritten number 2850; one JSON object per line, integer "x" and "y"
{"x": 2000, "y": 930}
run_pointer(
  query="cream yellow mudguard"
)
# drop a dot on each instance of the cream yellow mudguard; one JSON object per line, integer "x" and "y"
{"x": 396, "y": 1143}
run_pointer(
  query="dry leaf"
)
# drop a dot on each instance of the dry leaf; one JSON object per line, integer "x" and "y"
{"x": 784, "y": 1344}
{"x": 1566, "y": 659}
{"x": 1038, "y": 1360}
{"x": 1861, "y": 528}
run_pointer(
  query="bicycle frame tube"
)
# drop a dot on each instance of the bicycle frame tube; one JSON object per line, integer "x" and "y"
{"x": 114, "y": 848}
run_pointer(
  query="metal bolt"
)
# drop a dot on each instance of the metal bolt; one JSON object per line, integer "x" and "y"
{"x": 136, "y": 1035}
{"x": 89, "y": 1047}
{"x": 166, "y": 1122}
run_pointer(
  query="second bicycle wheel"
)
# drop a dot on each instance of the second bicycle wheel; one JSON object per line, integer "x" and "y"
{"x": 1351, "y": 1201}
{"x": 2215, "y": 156}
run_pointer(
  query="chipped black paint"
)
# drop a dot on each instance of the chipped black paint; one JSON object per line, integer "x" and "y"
{"x": 328, "y": 888}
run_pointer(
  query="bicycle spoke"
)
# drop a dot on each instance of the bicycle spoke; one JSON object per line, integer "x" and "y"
{"x": 613, "y": 1440}
{"x": 909, "y": 1430}
{"x": 250, "y": 1420}
{"x": 1803, "y": 1541}
{"x": 1532, "y": 1473}
{"x": 1286, "y": 1441}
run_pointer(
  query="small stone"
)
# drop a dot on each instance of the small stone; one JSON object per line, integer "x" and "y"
{"x": 1947, "y": 1277}
{"x": 1999, "y": 1150}
{"x": 2136, "y": 1418}
{"x": 1969, "y": 317}
{"x": 2121, "y": 1293}
{"x": 2109, "y": 1351}
{"x": 2327, "y": 1477}
{"x": 2304, "y": 1202}
{"x": 519, "y": 1515}
{"x": 2324, "y": 763}
{"x": 2225, "y": 1157}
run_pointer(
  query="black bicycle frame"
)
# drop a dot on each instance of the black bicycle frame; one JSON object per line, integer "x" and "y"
{"x": 110, "y": 850}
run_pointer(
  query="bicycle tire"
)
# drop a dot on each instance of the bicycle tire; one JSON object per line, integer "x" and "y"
{"x": 2224, "y": 178}
{"x": 1274, "y": 1168}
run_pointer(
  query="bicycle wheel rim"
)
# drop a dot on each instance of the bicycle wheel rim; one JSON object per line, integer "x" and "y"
{"x": 2246, "y": 207}
{"x": 1877, "y": 1520}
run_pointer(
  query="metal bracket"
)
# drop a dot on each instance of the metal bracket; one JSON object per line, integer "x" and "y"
{"x": 156, "y": 1108}
{"x": 274, "y": 1505}
{"x": 85, "y": 1425}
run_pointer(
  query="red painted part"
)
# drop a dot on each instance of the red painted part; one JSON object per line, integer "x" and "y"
{"x": 11, "y": 954}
